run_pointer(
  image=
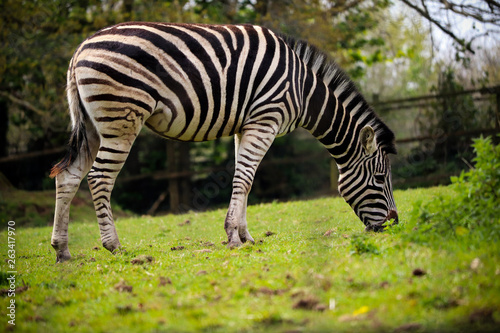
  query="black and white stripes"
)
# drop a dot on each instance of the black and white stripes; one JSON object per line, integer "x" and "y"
{"x": 194, "y": 82}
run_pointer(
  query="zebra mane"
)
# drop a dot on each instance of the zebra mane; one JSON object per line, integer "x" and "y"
{"x": 329, "y": 71}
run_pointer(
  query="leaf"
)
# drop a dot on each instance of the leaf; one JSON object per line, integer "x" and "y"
{"x": 361, "y": 310}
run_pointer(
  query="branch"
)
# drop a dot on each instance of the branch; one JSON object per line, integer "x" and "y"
{"x": 427, "y": 15}
{"x": 343, "y": 6}
{"x": 475, "y": 12}
{"x": 22, "y": 103}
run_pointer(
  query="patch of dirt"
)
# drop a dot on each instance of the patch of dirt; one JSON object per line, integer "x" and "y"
{"x": 177, "y": 248}
{"x": 329, "y": 232}
{"x": 309, "y": 302}
{"x": 268, "y": 291}
{"x": 36, "y": 319}
{"x": 18, "y": 290}
{"x": 187, "y": 222}
{"x": 122, "y": 286}
{"x": 419, "y": 272}
{"x": 141, "y": 259}
{"x": 269, "y": 233}
{"x": 164, "y": 281}
{"x": 384, "y": 285}
{"x": 201, "y": 273}
{"x": 124, "y": 309}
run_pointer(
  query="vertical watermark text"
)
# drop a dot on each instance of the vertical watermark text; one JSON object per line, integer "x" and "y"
{"x": 11, "y": 272}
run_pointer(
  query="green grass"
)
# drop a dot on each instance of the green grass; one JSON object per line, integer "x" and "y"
{"x": 295, "y": 278}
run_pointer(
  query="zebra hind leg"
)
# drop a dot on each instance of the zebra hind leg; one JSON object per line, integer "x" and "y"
{"x": 252, "y": 145}
{"x": 101, "y": 178}
{"x": 67, "y": 183}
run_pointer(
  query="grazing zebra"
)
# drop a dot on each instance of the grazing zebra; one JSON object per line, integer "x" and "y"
{"x": 194, "y": 82}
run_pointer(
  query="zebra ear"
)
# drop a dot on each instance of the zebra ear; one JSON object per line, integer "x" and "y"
{"x": 367, "y": 139}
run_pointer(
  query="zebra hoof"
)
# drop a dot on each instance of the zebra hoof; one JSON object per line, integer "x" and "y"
{"x": 247, "y": 238}
{"x": 62, "y": 256}
{"x": 112, "y": 247}
{"x": 234, "y": 244}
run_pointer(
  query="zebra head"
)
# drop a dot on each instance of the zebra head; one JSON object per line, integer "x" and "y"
{"x": 365, "y": 183}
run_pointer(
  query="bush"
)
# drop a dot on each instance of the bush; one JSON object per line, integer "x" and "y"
{"x": 476, "y": 206}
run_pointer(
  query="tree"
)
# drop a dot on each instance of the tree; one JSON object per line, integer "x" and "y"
{"x": 406, "y": 64}
{"x": 442, "y": 14}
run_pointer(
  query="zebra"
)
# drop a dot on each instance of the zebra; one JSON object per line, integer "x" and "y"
{"x": 197, "y": 82}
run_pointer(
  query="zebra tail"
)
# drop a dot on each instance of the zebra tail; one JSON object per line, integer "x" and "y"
{"x": 78, "y": 138}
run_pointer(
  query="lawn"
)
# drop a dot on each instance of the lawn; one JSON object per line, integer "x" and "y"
{"x": 312, "y": 269}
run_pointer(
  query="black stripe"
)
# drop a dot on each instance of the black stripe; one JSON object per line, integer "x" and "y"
{"x": 195, "y": 76}
{"x": 109, "y": 136}
{"x": 108, "y": 161}
{"x": 101, "y": 190}
{"x": 231, "y": 75}
{"x": 121, "y": 99}
{"x": 147, "y": 60}
{"x": 103, "y": 215}
{"x": 121, "y": 78}
{"x": 112, "y": 150}
{"x": 253, "y": 46}
{"x": 94, "y": 169}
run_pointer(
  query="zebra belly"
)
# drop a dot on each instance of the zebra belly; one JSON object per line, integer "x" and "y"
{"x": 166, "y": 123}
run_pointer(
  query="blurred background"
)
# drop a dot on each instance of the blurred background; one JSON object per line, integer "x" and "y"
{"x": 430, "y": 68}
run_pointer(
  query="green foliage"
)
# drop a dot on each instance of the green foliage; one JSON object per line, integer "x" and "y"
{"x": 402, "y": 67}
{"x": 475, "y": 206}
{"x": 361, "y": 244}
{"x": 444, "y": 123}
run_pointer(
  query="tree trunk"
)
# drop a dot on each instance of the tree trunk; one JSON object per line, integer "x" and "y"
{"x": 179, "y": 188}
{"x": 173, "y": 183}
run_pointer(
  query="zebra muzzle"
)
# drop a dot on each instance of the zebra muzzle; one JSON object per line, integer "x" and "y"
{"x": 392, "y": 215}
{"x": 380, "y": 226}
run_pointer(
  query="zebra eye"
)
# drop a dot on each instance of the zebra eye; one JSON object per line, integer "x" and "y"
{"x": 379, "y": 178}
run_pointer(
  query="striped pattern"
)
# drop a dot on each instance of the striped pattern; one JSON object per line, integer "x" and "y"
{"x": 201, "y": 82}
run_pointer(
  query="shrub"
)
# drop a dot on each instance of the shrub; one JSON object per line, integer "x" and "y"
{"x": 475, "y": 208}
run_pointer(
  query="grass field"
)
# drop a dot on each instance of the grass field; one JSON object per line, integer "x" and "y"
{"x": 312, "y": 269}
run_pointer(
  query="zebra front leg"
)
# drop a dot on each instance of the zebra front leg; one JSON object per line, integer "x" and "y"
{"x": 242, "y": 226}
{"x": 101, "y": 178}
{"x": 252, "y": 146}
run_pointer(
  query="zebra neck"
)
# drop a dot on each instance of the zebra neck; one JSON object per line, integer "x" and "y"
{"x": 335, "y": 119}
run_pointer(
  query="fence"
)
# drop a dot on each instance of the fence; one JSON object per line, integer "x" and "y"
{"x": 482, "y": 98}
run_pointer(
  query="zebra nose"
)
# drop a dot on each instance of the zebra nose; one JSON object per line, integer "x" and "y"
{"x": 392, "y": 214}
